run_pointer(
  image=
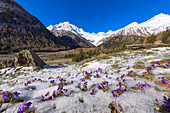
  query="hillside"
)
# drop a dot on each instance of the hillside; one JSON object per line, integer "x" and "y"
{"x": 116, "y": 42}
{"x": 163, "y": 36}
{"x": 20, "y": 30}
{"x": 71, "y": 38}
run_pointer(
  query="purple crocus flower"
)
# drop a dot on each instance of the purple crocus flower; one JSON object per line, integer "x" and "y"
{"x": 124, "y": 81}
{"x": 49, "y": 77}
{"x": 54, "y": 94}
{"x": 24, "y": 107}
{"x": 41, "y": 99}
{"x": 16, "y": 93}
{"x": 115, "y": 94}
{"x": 166, "y": 102}
{"x": 88, "y": 74}
{"x": 158, "y": 63}
{"x": 50, "y": 98}
{"x": 148, "y": 71}
{"x": 117, "y": 78}
{"x": 61, "y": 88}
{"x": 65, "y": 90}
{"x": 5, "y": 95}
{"x": 98, "y": 86}
{"x": 146, "y": 86}
{"x": 120, "y": 84}
{"x": 52, "y": 81}
{"x": 137, "y": 85}
{"x": 93, "y": 91}
{"x": 0, "y": 90}
{"x": 84, "y": 86}
{"x": 122, "y": 76}
{"x": 167, "y": 65}
{"x": 164, "y": 81}
{"x": 120, "y": 90}
{"x": 153, "y": 66}
{"x": 97, "y": 75}
{"x": 61, "y": 79}
{"x": 58, "y": 88}
{"x": 28, "y": 82}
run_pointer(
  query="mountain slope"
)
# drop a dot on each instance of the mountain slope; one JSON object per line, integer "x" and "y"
{"x": 72, "y": 38}
{"x": 116, "y": 42}
{"x": 20, "y": 30}
{"x": 163, "y": 36}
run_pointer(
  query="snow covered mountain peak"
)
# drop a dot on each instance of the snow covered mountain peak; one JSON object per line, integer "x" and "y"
{"x": 91, "y": 37}
{"x": 155, "y": 25}
{"x": 159, "y": 17}
{"x": 131, "y": 25}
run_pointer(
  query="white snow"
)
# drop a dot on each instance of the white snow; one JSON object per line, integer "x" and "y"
{"x": 132, "y": 101}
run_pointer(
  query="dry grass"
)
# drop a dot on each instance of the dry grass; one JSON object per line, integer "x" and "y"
{"x": 137, "y": 66}
{"x": 84, "y": 65}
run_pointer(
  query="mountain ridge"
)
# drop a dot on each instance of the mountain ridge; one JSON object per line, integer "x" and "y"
{"x": 155, "y": 25}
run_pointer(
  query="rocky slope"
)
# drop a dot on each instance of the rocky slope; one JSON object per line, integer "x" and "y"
{"x": 75, "y": 40}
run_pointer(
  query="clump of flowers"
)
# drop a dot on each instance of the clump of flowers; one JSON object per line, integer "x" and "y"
{"x": 87, "y": 75}
{"x": 93, "y": 92}
{"x": 104, "y": 86}
{"x": 62, "y": 82}
{"x": 149, "y": 70}
{"x": 10, "y": 97}
{"x": 114, "y": 108}
{"x": 164, "y": 80}
{"x": 24, "y": 108}
{"x": 97, "y": 76}
{"x": 141, "y": 86}
{"x": 34, "y": 80}
{"x": 165, "y": 107}
{"x": 84, "y": 87}
{"x": 122, "y": 86}
{"x": 56, "y": 93}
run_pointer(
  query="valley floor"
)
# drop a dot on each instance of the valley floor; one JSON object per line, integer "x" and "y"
{"x": 89, "y": 88}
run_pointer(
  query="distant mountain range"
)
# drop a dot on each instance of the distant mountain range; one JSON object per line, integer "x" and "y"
{"x": 153, "y": 26}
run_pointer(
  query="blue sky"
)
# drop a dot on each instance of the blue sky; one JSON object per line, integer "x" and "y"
{"x": 95, "y": 15}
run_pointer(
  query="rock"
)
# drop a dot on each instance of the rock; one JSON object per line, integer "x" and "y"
{"x": 28, "y": 58}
